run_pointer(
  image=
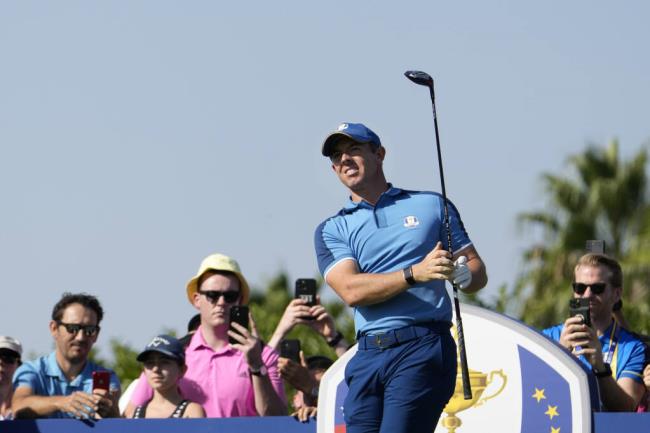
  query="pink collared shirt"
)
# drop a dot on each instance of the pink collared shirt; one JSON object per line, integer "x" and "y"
{"x": 218, "y": 381}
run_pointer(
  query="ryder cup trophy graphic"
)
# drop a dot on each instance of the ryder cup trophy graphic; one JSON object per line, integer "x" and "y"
{"x": 479, "y": 381}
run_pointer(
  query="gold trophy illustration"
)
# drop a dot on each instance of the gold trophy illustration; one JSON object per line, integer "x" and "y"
{"x": 479, "y": 382}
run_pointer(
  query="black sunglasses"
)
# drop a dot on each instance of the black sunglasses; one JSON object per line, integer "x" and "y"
{"x": 213, "y": 295}
{"x": 73, "y": 328}
{"x": 596, "y": 288}
{"x": 9, "y": 359}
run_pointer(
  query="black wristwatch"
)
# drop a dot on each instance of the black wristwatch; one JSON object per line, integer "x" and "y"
{"x": 408, "y": 275}
{"x": 607, "y": 371}
{"x": 261, "y": 371}
{"x": 336, "y": 340}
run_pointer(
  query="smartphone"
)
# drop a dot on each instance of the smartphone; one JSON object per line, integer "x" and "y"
{"x": 595, "y": 246}
{"x": 290, "y": 349}
{"x": 238, "y": 314}
{"x": 101, "y": 380}
{"x": 580, "y": 307}
{"x": 306, "y": 290}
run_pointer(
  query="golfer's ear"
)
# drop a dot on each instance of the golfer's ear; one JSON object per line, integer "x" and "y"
{"x": 381, "y": 153}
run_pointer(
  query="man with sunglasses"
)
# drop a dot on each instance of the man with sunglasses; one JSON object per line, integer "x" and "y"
{"x": 615, "y": 355}
{"x": 10, "y": 352}
{"x": 60, "y": 385}
{"x": 227, "y": 379}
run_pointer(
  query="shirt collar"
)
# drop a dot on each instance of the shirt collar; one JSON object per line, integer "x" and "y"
{"x": 390, "y": 192}
{"x": 53, "y": 369}
{"x": 198, "y": 343}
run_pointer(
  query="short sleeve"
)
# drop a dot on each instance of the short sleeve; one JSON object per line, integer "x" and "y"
{"x": 331, "y": 246}
{"x": 27, "y": 376}
{"x": 633, "y": 368}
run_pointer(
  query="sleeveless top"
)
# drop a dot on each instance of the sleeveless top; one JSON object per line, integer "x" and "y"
{"x": 140, "y": 411}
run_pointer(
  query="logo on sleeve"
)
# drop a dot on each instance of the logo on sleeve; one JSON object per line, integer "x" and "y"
{"x": 411, "y": 221}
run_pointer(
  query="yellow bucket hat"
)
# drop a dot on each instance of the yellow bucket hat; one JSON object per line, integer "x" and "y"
{"x": 218, "y": 262}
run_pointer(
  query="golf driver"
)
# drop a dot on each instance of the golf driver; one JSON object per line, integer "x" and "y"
{"x": 424, "y": 79}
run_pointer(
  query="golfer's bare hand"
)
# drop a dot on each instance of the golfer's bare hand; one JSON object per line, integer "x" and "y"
{"x": 80, "y": 404}
{"x": 646, "y": 376}
{"x": 437, "y": 265}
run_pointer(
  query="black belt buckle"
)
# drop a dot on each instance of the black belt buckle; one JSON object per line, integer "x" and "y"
{"x": 383, "y": 340}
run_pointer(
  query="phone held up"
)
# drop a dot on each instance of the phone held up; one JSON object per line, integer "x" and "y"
{"x": 239, "y": 315}
{"x": 580, "y": 307}
{"x": 290, "y": 349}
{"x": 101, "y": 380}
{"x": 306, "y": 290}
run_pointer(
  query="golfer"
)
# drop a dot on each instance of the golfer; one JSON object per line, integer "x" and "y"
{"x": 382, "y": 254}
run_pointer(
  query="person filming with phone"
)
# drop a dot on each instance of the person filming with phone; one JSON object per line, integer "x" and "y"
{"x": 65, "y": 383}
{"x": 230, "y": 372}
{"x": 615, "y": 355}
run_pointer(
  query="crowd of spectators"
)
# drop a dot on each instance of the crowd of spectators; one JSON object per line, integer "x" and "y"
{"x": 218, "y": 369}
{"x": 225, "y": 370}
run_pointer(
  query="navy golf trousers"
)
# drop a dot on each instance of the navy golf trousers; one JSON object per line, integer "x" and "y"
{"x": 400, "y": 381}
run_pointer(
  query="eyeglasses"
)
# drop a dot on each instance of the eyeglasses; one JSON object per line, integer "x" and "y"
{"x": 213, "y": 295}
{"x": 74, "y": 328}
{"x": 596, "y": 288}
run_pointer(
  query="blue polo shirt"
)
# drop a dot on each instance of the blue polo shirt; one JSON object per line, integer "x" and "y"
{"x": 399, "y": 231}
{"x": 45, "y": 378}
{"x": 628, "y": 357}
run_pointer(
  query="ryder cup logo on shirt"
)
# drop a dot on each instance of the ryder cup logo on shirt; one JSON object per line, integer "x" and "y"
{"x": 411, "y": 221}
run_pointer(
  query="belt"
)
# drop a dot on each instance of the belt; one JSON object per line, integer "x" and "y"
{"x": 395, "y": 337}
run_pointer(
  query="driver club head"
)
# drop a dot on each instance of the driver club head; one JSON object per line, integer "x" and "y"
{"x": 419, "y": 77}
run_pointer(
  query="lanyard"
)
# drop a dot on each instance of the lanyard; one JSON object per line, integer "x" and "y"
{"x": 613, "y": 343}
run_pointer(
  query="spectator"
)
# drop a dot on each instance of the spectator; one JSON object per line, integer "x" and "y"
{"x": 228, "y": 380}
{"x": 296, "y": 313}
{"x": 10, "y": 352}
{"x": 599, "y": 279}
{"x": 305, "y": 377}
{"x": 192, "y": 326}
{"x": 60, "y": 385}
{"x": 164, "y": 364}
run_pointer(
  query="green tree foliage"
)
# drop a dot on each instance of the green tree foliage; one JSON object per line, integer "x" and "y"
{"x": 603, "y": 198}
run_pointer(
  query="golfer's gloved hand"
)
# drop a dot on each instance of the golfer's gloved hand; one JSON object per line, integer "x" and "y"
{"x": 461, "y": 276}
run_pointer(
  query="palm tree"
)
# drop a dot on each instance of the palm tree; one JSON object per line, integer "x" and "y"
{"x": 606, "y": 199}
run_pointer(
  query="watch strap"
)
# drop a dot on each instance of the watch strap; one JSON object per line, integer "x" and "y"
{"x": 336, "y": 340}
{"x": 607, "y": 371}
{"x": 408, "y": 275}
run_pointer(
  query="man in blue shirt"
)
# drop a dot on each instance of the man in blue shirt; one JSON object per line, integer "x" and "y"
{"x": 383, "y": 255}
{"x": 60, "y": 385}
{"x": 615, "y": 355}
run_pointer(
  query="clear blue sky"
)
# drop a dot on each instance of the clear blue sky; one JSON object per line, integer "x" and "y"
{"x": 138, "y": 137}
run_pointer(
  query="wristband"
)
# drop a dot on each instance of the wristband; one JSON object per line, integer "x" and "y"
{"x": 336, "y": 340}
{"x": 408, "y": 275}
